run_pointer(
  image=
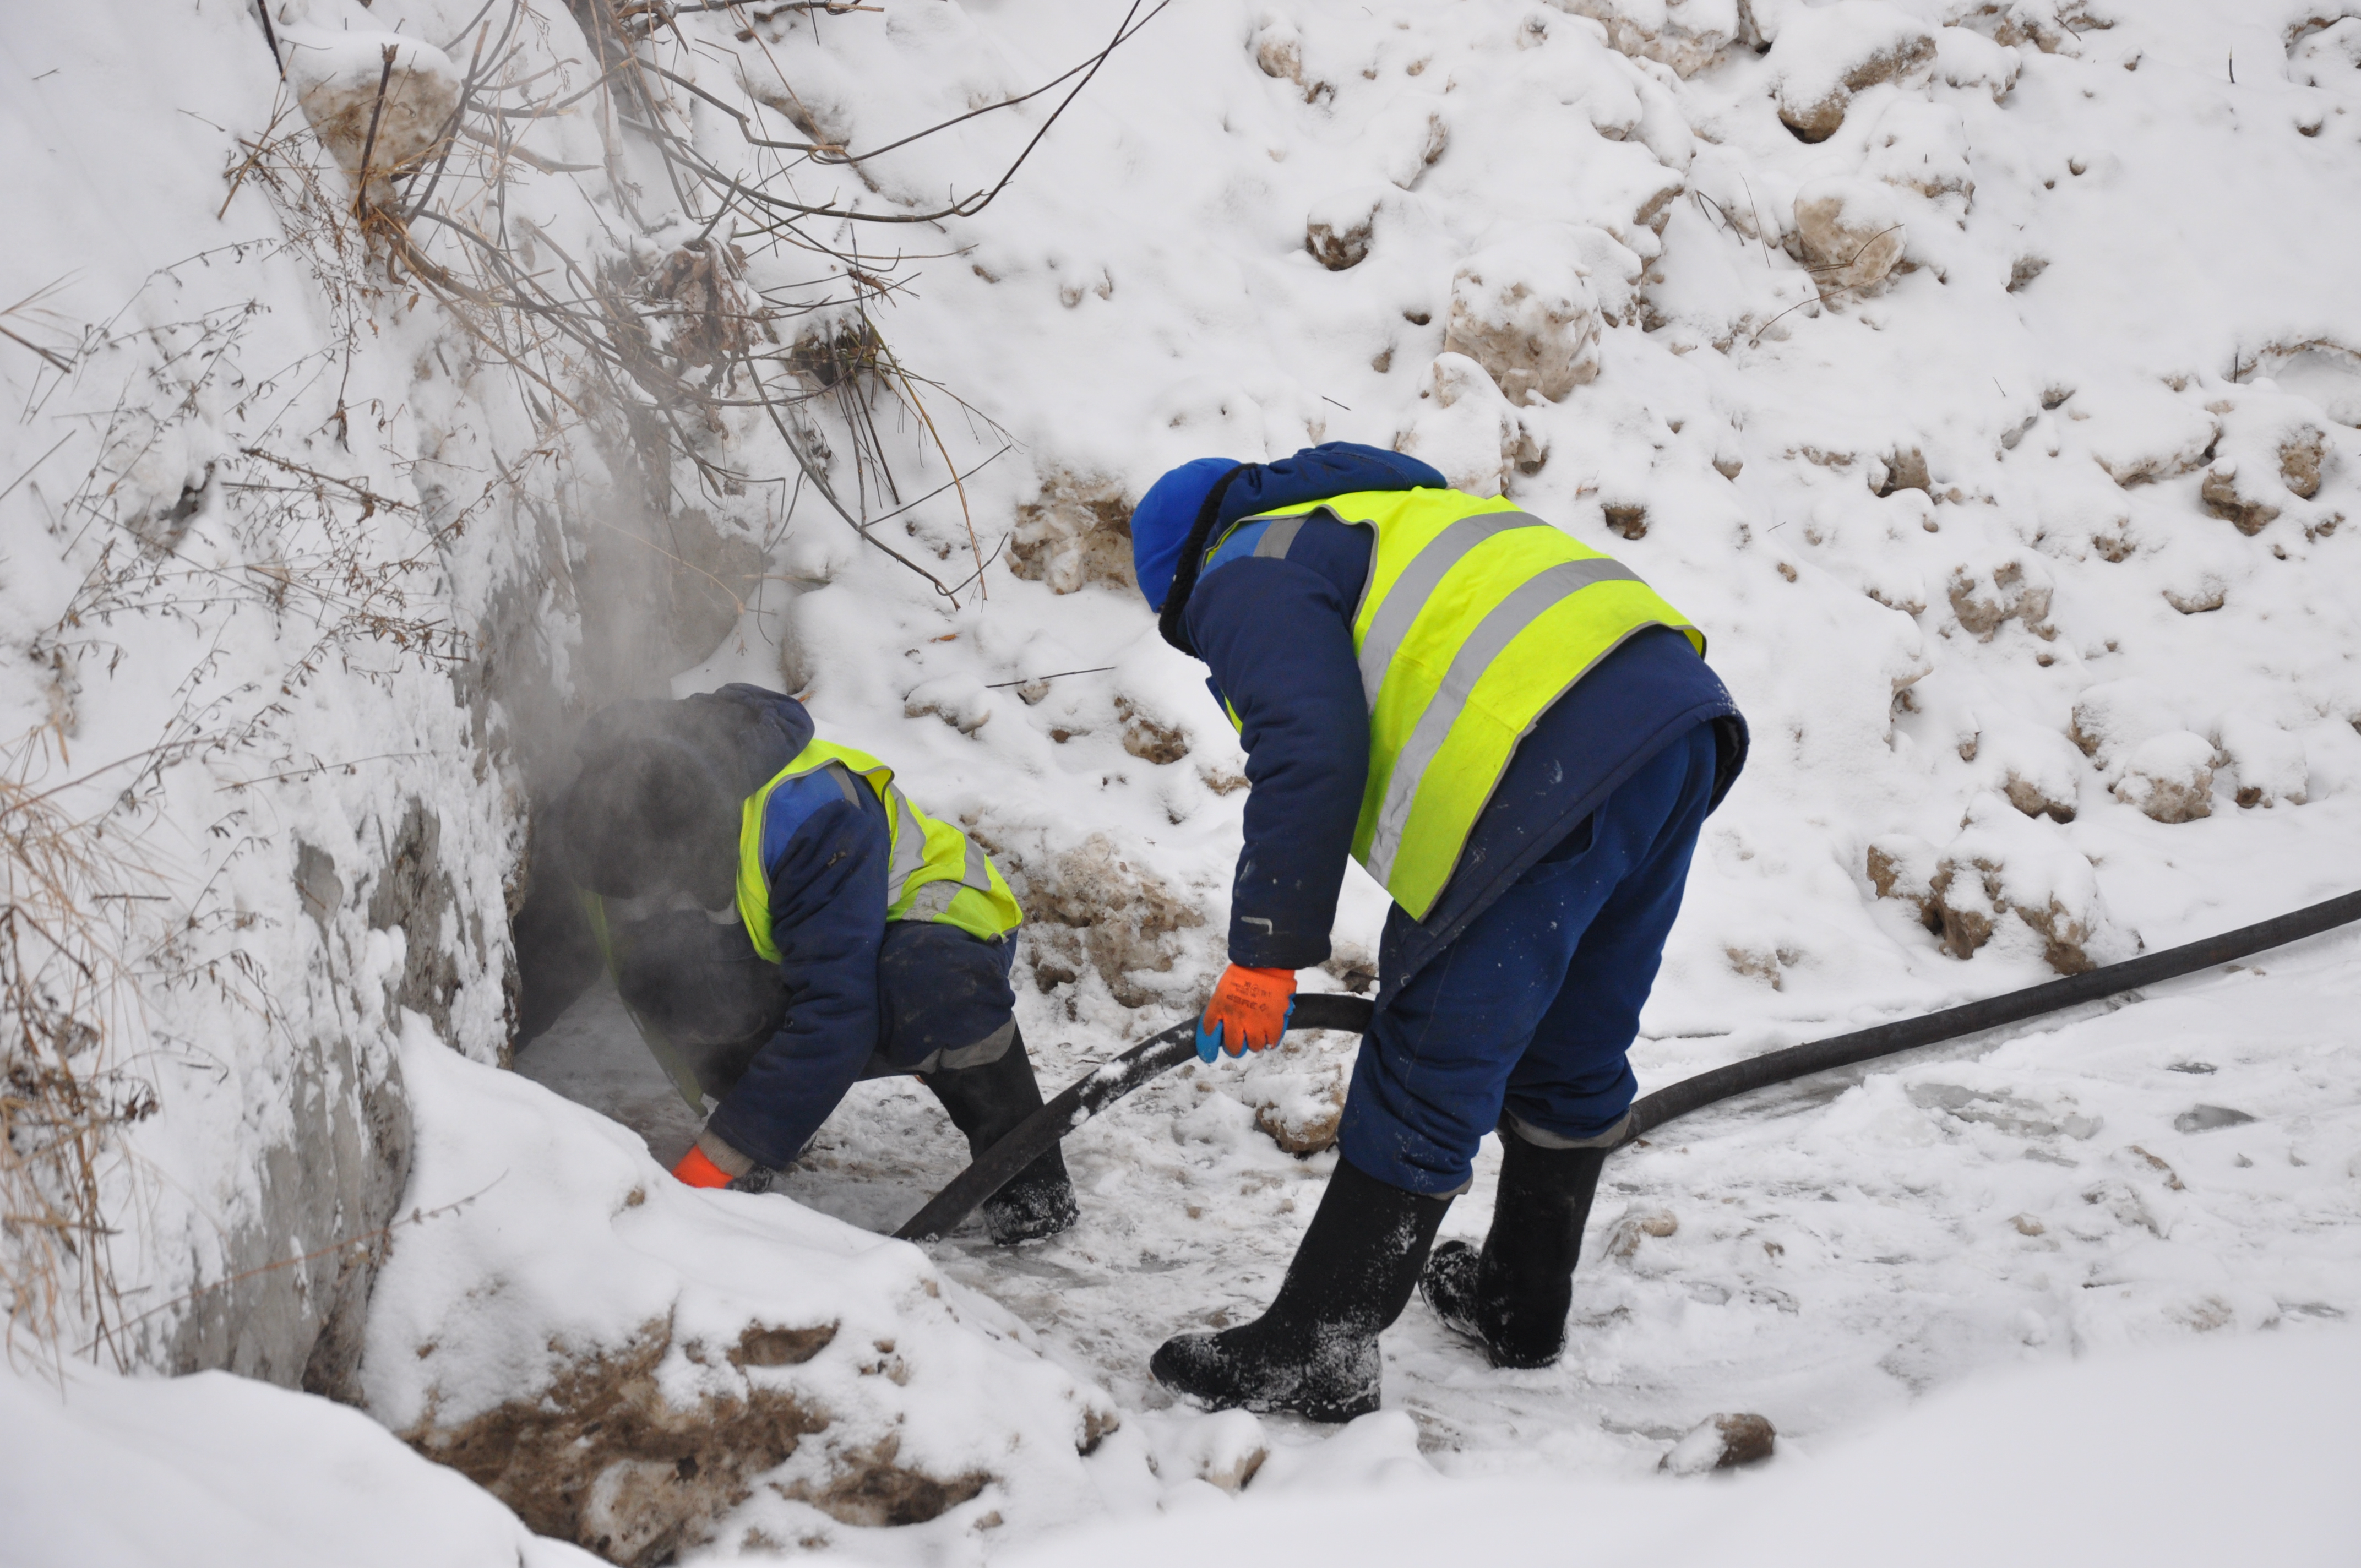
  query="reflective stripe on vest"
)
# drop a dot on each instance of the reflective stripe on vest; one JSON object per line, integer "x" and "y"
{"x": 1473, "y": 619}
{"x": 934, "y": 873}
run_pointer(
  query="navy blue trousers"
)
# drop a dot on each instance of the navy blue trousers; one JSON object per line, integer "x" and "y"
{"x": 1533, "y": 1007}
{"x": 938, "y": 990}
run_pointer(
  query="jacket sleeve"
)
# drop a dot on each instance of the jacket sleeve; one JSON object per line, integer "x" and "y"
{"x": 1278, "y": 639}
{"x": 828, "y": 917}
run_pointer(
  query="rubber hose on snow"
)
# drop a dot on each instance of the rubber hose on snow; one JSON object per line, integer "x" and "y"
{"x": 1327, "y": 1010}
{"x": 1040, "y": 1131}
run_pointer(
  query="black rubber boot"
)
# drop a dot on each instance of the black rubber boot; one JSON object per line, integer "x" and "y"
{"x": 987, "y": 1102}
{"x": 1315, "y": 1351}
{"x": 1513, "y": 1298}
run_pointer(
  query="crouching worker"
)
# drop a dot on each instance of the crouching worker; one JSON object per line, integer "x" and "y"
{"x": 782, "y": 922}
{"x": 1519, "y": 740}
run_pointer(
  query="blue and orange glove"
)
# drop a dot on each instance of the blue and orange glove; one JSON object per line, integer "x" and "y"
{"x": 1248, "y": 1012}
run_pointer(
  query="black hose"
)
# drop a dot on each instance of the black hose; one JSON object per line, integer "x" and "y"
{"x": 1040, "y": 1131}
{"x": 1327, "y": 1010}
{"x": 2055, "y": 996}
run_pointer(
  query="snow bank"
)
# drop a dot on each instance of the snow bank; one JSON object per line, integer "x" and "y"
{"x": 644, "y": 1367}
{"x": 213, "y": 1471}
{"x": 237, "y": 597}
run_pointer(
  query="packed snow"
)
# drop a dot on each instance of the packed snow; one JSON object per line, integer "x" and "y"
{"x": 1984, "y": 379}
{"x": 1947, "y": 669}
{"x": 215, "y": 1471}
{"x": 2192, "y": 1456}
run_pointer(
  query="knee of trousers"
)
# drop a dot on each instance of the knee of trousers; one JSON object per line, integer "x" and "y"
{"x": 1580, "y": 1108}
{"x": 980, "y": 1053}
{"x": 1394, "y": 1138}
{"x": 944, "y": 1001}
{"x": 1424, "y": 1092}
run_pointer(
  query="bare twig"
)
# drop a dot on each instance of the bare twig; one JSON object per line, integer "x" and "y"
{"x": 19, "y": 338}
{"x": 313, "y": 770}
{"x": 1821, "y": 291}
{"x": 1061, "y": 674}
{"x": 62, "y": 440}
{"x": 1762, "y": 233}
{"x": 967, "y": 516}
{"x": 369, "y": 146}
{"x": 270, "y": 37}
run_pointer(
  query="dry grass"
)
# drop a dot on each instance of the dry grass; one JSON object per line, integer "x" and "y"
{"x": 90, "y": 928}
{"x": 655, "y": 358}
{"x": 64, "y": 997}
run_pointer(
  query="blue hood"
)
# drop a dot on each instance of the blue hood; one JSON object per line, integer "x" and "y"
{"x": 771, "y": 728}
{"x": 1168, "y": 514}
{"x": 1315, "y": 474}
{"x": 1160, "y": 523}
{"x": 1337, "y": 468}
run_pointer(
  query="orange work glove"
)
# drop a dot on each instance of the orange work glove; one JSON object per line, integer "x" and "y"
{"x": 700, "y": 1171}
{"x": 1248, "y": 1012}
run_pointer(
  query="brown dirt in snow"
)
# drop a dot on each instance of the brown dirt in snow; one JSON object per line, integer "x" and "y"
{"x": 869, "y": 1489}
{"x": 1091, "y": 907}
{"x": 1960, "y": 900}
{"x": 600, "y": 1458}
{"x": 1077, "y": 531}
{"x": 1149, "y": 739}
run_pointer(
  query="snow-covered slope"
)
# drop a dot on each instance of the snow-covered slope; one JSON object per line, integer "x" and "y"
{"x": 623, "y": 1359}
{"x": 1983, "y": 377}
{"x": 1968, "y": 504}
{"x": 1982, "y": 549}
{"x": 229, "y": 627}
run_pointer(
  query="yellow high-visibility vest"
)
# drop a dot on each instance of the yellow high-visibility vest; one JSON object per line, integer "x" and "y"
{"x": 925, "y": 852}
{"x": 1475, "y": 617}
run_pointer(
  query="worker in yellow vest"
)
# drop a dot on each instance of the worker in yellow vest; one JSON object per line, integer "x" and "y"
{"x": 781, "y": 921}
{"x": 1519, "y": 740}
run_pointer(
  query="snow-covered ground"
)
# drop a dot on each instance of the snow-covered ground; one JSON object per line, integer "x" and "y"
{"x": 2109, "y": 266}
{"x": 1834, "y": 1252}
{"x": 2032, "y": 561}
{"x": 2192, "y": 1456}
{"x": 213, "y": 1471}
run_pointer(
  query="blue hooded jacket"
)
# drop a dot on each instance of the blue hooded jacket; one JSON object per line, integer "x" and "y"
{"x": 1277, "y": 634}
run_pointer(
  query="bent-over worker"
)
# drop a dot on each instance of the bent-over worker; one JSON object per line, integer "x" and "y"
{"x": 781, "y": 922}
{"x": 1519, "y": 740}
